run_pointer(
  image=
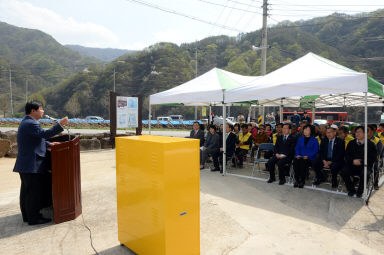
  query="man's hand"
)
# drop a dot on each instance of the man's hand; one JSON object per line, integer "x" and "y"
{"x": 204, "y": 148}
{"x": 54, "y": 143}
{"x": 305, "y": 157}
{"x": 298, "y": 157}
{"x": 64, "y": 121}
{"x": 240, "y": 144}
{"x": 357, "y": 162}
{"x": 221, "y": 149}
{"x": 277, "y": 155}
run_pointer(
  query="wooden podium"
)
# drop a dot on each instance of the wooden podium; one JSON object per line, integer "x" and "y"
{"x": 66, "y": 178}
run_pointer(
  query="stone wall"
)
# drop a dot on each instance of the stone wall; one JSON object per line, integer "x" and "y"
{"x": 97, "y": 141}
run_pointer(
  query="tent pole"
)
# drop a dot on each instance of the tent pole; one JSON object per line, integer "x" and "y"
{"x": 149, "y": 116}
{"x": 281, "y": 111}
{"x": 313, "y": 114}
{"x": 365, "y": 142}
{"x": 210, "y": 115}
{"x": 224, "y": 140}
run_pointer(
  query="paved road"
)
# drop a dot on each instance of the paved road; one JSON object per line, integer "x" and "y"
{"x": 97, "y": 131}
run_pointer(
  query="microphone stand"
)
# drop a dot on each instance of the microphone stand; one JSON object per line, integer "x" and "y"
{"x": 66, "y": 127}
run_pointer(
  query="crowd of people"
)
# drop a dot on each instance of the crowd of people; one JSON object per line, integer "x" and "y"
{"x": 329, "y": 150}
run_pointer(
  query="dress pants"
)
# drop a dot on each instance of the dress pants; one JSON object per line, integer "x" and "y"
{"x": 240, "y": 154}
{"x": 204, "y": 155}
{"x": 32, "y": 186}
{"x": 352, "y": 170}
{"x": 301, "y": 167}
{"x": 335, "y": 169}
{"x": 282, "y": 164}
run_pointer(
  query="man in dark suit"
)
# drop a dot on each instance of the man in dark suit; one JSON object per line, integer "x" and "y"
{"x": 32, "y": 163}
{"x": 197, "y": 133}
{"x": 211, "y": 146}
{"x": 331, "y": 156}
{"x": 354, "y": 162}
{"x": 230, "y": 143}
{"x": 283, "y": 154}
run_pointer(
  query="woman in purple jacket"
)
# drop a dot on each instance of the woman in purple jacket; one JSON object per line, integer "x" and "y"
{"x": 307, "y": 147}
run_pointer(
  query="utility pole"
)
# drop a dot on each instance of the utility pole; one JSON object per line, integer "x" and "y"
{"x": 114, "y": 79}
{"x": 26, "y": 90}
{"x": 264, "y": 46}
{"x": 10, "y": 89}
{"x": 196, "y": 76}
{"x": 264, "y": 43}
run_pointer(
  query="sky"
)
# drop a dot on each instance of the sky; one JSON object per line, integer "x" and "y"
{"x": 136, "y": 24}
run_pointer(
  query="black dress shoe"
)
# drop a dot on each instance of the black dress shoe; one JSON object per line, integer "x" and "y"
{"x": 317, "y": 182}
{"x": 359, "y": 195}
{"x": 301, "y": 185}
{"x": 351, "y": 193}
{"x": 281, "y": 182}
{"x": 40, "y": 221}
{"x": 296, "y": 184}
{"x": 215, "y": 169}
{"x": 271, "y": 180}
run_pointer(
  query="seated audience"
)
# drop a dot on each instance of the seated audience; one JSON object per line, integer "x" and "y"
{"x": 379, "y": 148}
{"x": 331, "y": 156}
{"x": 197, "y": 133}
{"x": 230, "y": 145}
{"x": 261, "y": 137}
{"x": 306, "y": 149}
{"x": 236, "y": 129}
{"x": 343, "y": 134}
{"x": 210, "y": 147}
{"x": 283, "y": 155}
{"x": 279, "y": 132}
{"x": 268, "y": 130}
{"x": 243, "y": 142}
{"x": 322, "y": 133}
{"x": 252, "y": 129}
{"x": 354, "y": 162}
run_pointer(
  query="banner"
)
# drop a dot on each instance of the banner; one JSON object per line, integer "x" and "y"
{"x": 204, "y": 111}
{"x": 127, "y": 112}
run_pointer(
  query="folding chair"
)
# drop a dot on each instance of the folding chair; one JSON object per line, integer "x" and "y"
{"x": 258, "y": 160}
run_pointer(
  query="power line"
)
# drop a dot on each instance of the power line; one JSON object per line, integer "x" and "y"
{"x": 183, "y": 15}
{"x": 233, "y": 8}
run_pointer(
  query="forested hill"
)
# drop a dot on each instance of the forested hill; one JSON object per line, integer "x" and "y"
{"x": 103, "y": 54}
{"x": 353, "y": 41}
{"x": 34, "y": 56}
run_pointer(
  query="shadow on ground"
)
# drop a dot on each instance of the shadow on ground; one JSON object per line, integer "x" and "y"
{"x": 13, "y": 225}
{"x": 117, "y": 250}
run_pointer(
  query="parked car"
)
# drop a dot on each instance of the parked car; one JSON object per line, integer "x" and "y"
{"x": 321, "y": 122}
{"x": 164, "y": 119}
{"x": 88, "y": 118}
{"x": 176, "y": 117}
{"x": 219, "y": 120}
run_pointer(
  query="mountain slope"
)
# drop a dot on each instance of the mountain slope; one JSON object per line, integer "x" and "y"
{"x": 103, "y": 54}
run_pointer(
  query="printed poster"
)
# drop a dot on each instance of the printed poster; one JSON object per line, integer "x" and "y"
{"x": 127, "y": 112}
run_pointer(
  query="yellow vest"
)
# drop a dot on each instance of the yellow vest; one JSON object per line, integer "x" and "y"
{"x": 318, "y": 139}
{"x": 375, "y": 140}
{"x": 244, "y": 138}
{"x": 348, "y": 138}
{"x": 381, "y": 137}
{"x": 274, "y": 138}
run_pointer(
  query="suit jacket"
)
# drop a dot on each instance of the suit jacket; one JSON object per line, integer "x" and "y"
{"x": 230, "y": 143}
{"x": 199, "y": 135}
{"x": 212, "y": 143}
{"x": 287, "y": 148}
{"x": 356, "y": 151}
{"x": 338, "y": 150}
{"x": 310, "y": 150}
{"x": 32, "y": 145}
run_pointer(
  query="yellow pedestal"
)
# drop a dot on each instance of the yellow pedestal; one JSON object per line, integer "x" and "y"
{"x": 158, "y": 194}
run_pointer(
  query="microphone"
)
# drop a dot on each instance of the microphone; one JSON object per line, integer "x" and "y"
{"x": 49, "y": 117}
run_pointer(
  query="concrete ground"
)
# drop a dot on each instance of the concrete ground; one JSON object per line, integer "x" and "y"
{"x": 238, "y": 216}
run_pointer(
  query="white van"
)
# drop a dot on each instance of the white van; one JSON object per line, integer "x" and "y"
{"x": 176, "y": 117}
{"x": 164, "y": 119}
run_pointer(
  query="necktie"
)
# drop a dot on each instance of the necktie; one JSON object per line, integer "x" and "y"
{"x": 285, "y": 138}
{"x": 330, "y": 143}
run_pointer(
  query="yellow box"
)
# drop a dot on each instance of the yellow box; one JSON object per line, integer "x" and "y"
{"x": 158, "y": 194}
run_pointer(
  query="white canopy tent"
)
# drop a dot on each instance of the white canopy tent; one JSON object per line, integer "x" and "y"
{"x": 307, "y": 76}
{"x": 207, "y": 89}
